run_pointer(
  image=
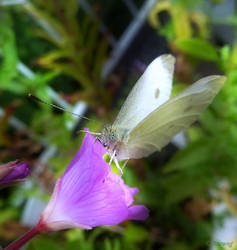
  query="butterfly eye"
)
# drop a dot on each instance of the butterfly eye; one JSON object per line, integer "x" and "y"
{"x": 105, "y": 145}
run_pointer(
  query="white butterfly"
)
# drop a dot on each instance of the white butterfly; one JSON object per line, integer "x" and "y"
{"x": 148, "y": 119}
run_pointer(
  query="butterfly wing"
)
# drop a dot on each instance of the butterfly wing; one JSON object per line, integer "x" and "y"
{"x": 151, "y": 90}
{"x": 159, "y": 127}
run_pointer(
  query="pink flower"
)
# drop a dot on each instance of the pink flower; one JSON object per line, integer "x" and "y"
{"x": 89, "y": 194}
{"x": 13, "y": 172}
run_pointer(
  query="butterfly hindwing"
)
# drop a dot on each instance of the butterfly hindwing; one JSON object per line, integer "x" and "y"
{"x": 175, "y": 115}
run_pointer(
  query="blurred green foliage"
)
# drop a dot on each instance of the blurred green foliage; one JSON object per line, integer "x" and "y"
{"x": 66, "y": 51}
{"x": 79, "y": 50}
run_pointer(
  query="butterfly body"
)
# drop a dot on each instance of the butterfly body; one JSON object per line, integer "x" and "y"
{"x": 113, "y": 138}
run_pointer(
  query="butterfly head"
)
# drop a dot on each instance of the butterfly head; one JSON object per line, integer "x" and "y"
{"x": 109, "y": 138}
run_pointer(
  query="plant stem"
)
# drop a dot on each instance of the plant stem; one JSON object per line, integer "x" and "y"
{"x": 228, "y": 200}
{"x": 26, "y": 237}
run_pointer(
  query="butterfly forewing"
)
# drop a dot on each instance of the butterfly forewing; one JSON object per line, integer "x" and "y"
{"x": 151, "y": 90}
{"x": 175, "y": 115}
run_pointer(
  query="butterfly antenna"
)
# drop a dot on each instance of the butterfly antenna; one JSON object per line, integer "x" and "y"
{"x": 58, "y": 107}
{"x": 92, "y": 133}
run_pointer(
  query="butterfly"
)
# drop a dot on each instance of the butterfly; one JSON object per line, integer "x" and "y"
{"x": 149, "y": 118}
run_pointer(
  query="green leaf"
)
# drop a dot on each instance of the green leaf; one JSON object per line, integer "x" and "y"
{"x": 100, "y": 57}
{"x": 198, "y": 48}
{"x": 195, "y": 154}
{"x": 42, "y": 244}
{"x": 7, "y": 214}
{"x": 167, "y": 31}
{"x": 108, "y": 244}
{"x": 225, "y": 52}
{"x": 8, "y": 55}
{"x": 53, "y": 56}
{"x": 219, "y": 245}
{"x": 135, "y": 234}
{"x": 184, "y": 185}
{"x": 13, "y": 86}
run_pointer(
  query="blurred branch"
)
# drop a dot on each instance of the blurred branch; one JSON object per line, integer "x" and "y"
{"x": 131, "y": 6}
{"x": 127, "y": 37}
{"x": 228, "y": 200}
{"x": 87, "y": 8}
{"x": 11, "y": 2}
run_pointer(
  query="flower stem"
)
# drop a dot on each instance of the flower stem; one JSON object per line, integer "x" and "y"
{"x": 26, "y": 237}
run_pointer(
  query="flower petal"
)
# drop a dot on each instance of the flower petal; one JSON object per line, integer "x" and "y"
{"x": 60, "y": 225}
{"x": 86, "y": 143}
{"x": 17, "y": 171}
{"x": 89, "y": 194}
{"x": 138, "y": 212}
{"x": 53, "y": 201}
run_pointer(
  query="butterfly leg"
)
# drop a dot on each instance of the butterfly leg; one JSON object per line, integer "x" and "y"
{"x": 94, "y": 133}
{"x": 112, "y": 157}
{"x": 118, "y": 167}
{"x": 125, "y": 163}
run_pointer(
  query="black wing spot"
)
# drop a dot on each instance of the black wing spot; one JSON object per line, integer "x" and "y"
{"x": 157, "y": 93}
